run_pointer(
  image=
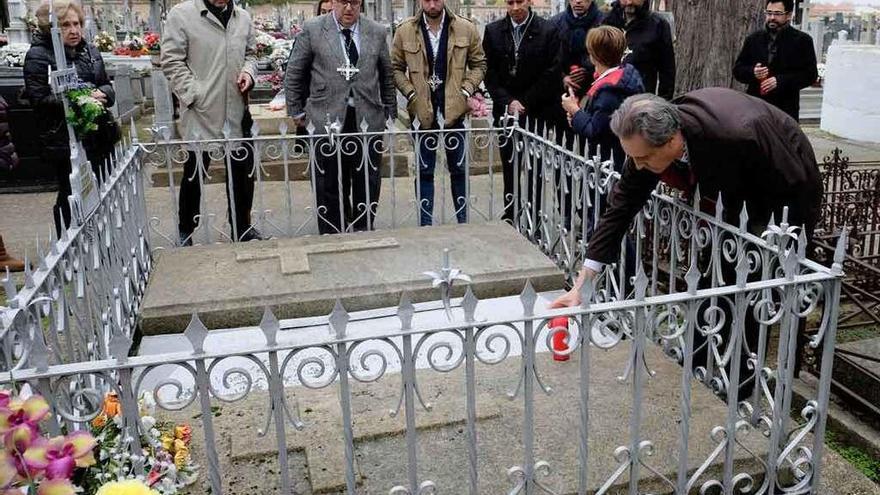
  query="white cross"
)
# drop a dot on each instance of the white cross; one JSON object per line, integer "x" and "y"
{"x": 348, "y": 71}
{"x": 434, "y": 82}
{"x": 294, "y": 254}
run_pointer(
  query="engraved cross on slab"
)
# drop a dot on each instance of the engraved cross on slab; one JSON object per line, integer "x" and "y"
{"x": 348, "y": 71}
{"x": 434, "y": 82}
{"x": 294, "y": 255}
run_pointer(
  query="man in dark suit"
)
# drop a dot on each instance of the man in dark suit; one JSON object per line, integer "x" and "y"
{"x": 340, "y": 70}
{"x": 718, "y": 139}
{"x": 572, "y": 26}
{"x": 648, "y": 43}
{"x": 521, "y": 76}
{"x": 778, "y": 61}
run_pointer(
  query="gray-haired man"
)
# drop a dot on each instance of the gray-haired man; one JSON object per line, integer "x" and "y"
{"x": 723, "y": 142}
{"x": 718, "y": 139}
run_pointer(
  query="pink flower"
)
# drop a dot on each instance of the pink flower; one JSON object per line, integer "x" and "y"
{"x": 477, "y": 105}
{"x": 19, "y": 420}
{"x": 60, "y": 455}
{"x": 8, "y": 470}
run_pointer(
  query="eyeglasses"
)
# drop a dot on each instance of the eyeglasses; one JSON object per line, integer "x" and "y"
{"x": 351, "y": 3}
{"x": 774, "y": 13}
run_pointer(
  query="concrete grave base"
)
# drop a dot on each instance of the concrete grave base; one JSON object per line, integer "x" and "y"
{"x": 229, "y": 284}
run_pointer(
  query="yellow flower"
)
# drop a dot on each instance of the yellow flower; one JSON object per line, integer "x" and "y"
{"x": 183, "y": 432}
{"x": 127, "y": 487}
{"x": 167, "y": 441}
{"x": 181, "y": 454}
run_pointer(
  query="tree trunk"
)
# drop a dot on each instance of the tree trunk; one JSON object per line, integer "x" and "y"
{"x": 708, "y": 36}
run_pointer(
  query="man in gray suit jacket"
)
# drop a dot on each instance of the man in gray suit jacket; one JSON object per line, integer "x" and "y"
{"x": 340, "y": 70}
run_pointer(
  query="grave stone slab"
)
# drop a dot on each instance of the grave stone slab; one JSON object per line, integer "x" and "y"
{"x": 163, "y": 109}
{"x": 229, "y": 284}
{"x": 124, "y": 97}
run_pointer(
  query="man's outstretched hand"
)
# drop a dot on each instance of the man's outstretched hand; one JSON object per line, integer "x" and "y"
{"x": 572, "y": 298}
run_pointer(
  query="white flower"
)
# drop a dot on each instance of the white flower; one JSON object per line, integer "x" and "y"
{"x": 148, "y": 422}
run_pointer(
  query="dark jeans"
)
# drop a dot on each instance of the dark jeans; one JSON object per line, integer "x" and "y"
{"x": 517, "y": 200}
{"x": 239, "y": 191}
{"x": 342, "y": 177}
{"x": 454, "y": 144}
{"x": 61, "y": 161}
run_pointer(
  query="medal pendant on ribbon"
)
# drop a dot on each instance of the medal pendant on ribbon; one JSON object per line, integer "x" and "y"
{"x": 434, "y": 82}
{"x": 513, "y": 71}
{"x": 348, "y": 71}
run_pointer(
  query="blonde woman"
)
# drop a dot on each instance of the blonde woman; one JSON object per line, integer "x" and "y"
{"x": 89, "y": 65}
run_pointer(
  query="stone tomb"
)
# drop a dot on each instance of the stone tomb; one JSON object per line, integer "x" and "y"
{"x": 229, "y": 284}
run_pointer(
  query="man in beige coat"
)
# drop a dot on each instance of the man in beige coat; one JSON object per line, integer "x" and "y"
{"x": 208, "y": 57}
{"x": 438, "y": 63}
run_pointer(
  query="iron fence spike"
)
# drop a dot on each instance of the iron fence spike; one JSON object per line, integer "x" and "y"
{"x": 469, "y": 304}
{"x": 270, "y": 326}
{"x": 338, "y": 320}
{"x": 528, "y": 298}
{"x": 405, "y": 311}
{"x": 196, "y": 333}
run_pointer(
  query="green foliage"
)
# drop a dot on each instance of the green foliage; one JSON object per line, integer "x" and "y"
{"x": 84, "y": 111}
{"x": 861, "y": 460}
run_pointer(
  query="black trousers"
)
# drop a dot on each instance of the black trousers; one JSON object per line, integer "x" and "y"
{"x": 512, "y": 173}
{"x": 346, "y": 188}
{"x": 239, "y": 191}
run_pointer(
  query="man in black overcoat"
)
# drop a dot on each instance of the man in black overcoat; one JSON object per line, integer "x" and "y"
{"x": 648, "y": 42}
{"x": 778, "y": 61}
{"x": 522, "y": 77}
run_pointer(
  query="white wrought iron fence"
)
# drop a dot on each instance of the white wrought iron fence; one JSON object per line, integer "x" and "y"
{"x": 553, "y": 183}
{"x": 87, "y": 285}
{"x": 723, "y": 303}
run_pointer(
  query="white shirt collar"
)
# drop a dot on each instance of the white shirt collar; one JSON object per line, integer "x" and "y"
{"x": 442, "y": 19}
{"x": 685, "y": 156}
{"x": 607, "y": 71}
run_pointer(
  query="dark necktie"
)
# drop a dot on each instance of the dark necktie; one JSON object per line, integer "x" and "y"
{"x": 350, "y": 47}
{"x": 771, "y": 49}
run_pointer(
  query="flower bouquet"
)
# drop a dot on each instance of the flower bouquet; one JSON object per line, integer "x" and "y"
{"x": 85, "y": 110}
{"x": 12, "y": 55}
{"x": 104, "y": 42}
{"x": 31, "y": 463}
{"x": 478, "y": 106}
{"x": 265, "y": 45}
{"x": 274, "y": 79}
{"x": 135, "y": 46}
{"x": 152, "y": 42}
{"x": 167, "y": 463}
{"x": 280, "y": 54}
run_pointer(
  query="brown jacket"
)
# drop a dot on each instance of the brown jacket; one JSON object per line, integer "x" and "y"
{"x": 466, "y": 66}
{"x": 746, "y": 149}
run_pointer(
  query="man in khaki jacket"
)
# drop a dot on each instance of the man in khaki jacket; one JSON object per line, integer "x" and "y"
{"x": 208, "y": 57}
{"x": 438, "y": 63}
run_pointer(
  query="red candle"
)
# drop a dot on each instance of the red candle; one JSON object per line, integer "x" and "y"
{"x": 559, "y": 341}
